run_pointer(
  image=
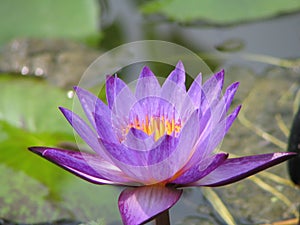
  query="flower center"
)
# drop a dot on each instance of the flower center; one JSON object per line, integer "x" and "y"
{"x": 156, "y": 126}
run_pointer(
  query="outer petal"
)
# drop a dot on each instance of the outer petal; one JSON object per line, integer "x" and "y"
{"x": 201, "y": 169}
{"x": 211, "y": 138}
{"x": 84, "y": 131}
{"x": 235, "y": 169}
{"x": 87, "y": 166}
{"x": 88, "y": 102}
{"x": 212, "y": 90}
{"x": 229, "y": 94}
{"x": 139, "y": 205}
{"x": 103, "y": 120}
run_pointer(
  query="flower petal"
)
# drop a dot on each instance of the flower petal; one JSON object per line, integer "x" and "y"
{"x": 210, "y": 139}
{"x": 121, "y": 101}
{"x": 138, "y": 140}
{"x": 195, "y": 91}
{"x": 141, "y": 155}
{"x": 229, "y": 94}
{"x": 103, "y": 120}
{"x": 139, "y": 205}
{"x": 177, "y": 76}
{"x": 235, "y": 169}
{"x": 173, "y": 89}
{"x": 113, "y": 87}
{"x": 87, "y": 166}
{"x": 147, "y": 84}
{"x": 215, "y": 134}
{"x": 201, "y": 169}
{"x": 88, "y": 102}
{"x": 84, "y": 131}
{"x": 212, "y": 90}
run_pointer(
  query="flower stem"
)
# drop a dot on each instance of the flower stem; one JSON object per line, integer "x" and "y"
{"x": 163, "y": 218}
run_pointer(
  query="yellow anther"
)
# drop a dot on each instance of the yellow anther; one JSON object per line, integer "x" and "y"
{"x": 156, "y": 126}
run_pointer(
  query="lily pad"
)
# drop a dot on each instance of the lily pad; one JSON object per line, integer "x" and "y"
{"x": 220, "y": 12}
{"x": 32, "y": 189}
{"x": 75, "y": 19}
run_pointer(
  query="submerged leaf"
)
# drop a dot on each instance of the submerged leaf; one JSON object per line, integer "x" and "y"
{"x": 219, "y": 12}
{"x": 76, "y": 19}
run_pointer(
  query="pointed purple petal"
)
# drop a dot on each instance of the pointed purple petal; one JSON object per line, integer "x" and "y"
{"x": 138, "y": 140}
{"x": 173, "y": 89}
{"x": 87, "y": 166}
{"x": 147, "y": 84}
{"x": 201, "y": 169}
{"x": 113, "y": 87}
{"x": 235, "y": 169}
{"x": 212, "y": 90}
{"x": 84, "y": 131}
{"x": 139, "y": 154}
{"x": 88, "y": 102}
{"x": 177, "y": 75}
{"x": 229, "y": 94}
{"x": 139, "y": 205}
{"x": 195, "y": 91}
{"x": 210, "y": 138}
{"x": 121, "y": 100}
{"x": 103, "y": 120}
{"x": 174, "y": 158}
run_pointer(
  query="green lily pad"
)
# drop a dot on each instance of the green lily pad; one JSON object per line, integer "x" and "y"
{"x": 218, "y": 11}
{"x": 75, "y": 19}
{"x": 35, "y": 190}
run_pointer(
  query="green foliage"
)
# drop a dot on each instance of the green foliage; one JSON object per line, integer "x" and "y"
{"x": 218, "y": 11}
{"x": 34, "y": 189}
{"x": 75, "y": 19}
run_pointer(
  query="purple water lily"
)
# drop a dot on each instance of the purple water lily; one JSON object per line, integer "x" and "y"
{"x": 157, "y": 141}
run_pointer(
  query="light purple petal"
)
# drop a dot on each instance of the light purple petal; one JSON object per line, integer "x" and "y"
{"x": 138, "y": 140}
{"x": 88, "y": 102}
{"x": 147, "y": 84}
{"x": 215, "y": 134}
{"x": 235, "y": 169}
{"x": 103, "y": 120}
{"x": 212, "y": 90}
{"x": 113, "y": 87}
{"x": 84, "y": 131}
{"x": 229, "y": 94}
{"x": 87, "y": 166}
{"x": 167, "y": 168}
{"x": 200, "y": 169}
{"x": 141, "y": 155}
{"x": 139, "y": 205}
{"x": 121, "y": 100}
{"x": 195, "y": 91}
{"x": 173, "y": 89}
{"x": 211, "y": 138}
{"x": 177, "y": 76}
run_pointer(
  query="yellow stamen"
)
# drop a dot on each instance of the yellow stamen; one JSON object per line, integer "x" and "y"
{"x": 156, "y": 126}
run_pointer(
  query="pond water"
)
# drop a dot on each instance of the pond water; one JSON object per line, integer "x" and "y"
{"x": 269, "y": 94}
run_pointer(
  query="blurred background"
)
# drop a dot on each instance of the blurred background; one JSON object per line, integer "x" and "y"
{"x": 45, "y": 47}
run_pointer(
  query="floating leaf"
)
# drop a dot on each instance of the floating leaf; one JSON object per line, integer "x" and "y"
{"x": 76, "y": 19}
{"x": 220, "y": 12}
{"x": 33, "y": 190}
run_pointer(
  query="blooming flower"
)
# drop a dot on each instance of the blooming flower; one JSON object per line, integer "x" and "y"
{"x": 156, "y": 141}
